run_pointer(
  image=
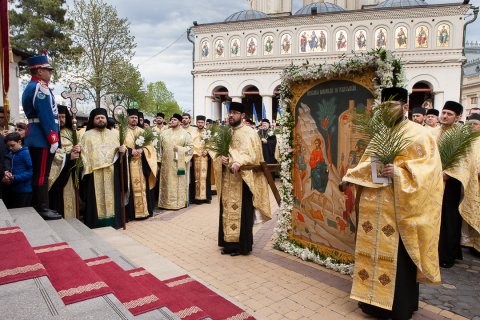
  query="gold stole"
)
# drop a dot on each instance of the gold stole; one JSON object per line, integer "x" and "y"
{"x": 200, "y": 165}
{"x": 98, "y": 153}
{"x": 246, "y": 149}
{"x": 409, "y": 208}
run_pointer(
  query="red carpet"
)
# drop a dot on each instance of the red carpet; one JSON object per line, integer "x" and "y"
{"x": 183, "y": 308}
{"x": 135, "y": 297}
{"x": 217, "y": 307}
{"x": 17, "y": 259}
{"x": 70, "y": 276}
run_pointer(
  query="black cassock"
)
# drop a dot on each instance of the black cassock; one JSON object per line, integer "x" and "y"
{"x": 55, "y": 194}
{"x": 88, "y": 195}
{"x": 268, "y": 149}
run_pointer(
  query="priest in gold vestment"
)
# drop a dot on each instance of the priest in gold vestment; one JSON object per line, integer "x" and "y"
{"x": 158, "y": 128}
{"x": 176, "y": 150}
{"x": 461, "y": 198}
{"x": 142, "y": 161}
{"x": 61, "y": 191}
{"x": 200, "y": 170}
{"x": 101, "y": 180}
{"x": 240, "y": 192}
{"x": 399, "y": 223}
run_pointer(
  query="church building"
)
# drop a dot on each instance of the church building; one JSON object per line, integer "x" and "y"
{"x": 242, "y": 58}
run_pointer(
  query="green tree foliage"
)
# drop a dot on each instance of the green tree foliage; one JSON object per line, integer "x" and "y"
{"x": 159, "y": 99}
{"x": 38, "y": 25}
{"x": 108, "y": 48}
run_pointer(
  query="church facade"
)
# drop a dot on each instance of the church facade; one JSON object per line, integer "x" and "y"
{"x": 242, "y": 58}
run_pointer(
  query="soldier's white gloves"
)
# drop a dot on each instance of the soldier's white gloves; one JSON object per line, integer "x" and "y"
{"x": 53, "y": 147}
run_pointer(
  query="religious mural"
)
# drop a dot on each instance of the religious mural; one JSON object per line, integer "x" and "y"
{"x": 361, "y": 40}
{"x": 205, "y": 49}
{"x": 443, "y": 35}
{"x": 313, "y": 41}
{"x": 235, "y": 47}
{"x": 381, "y": 38}
{"x": 401, "y": 38}
{"x": 219, "y": 49}
{"x": 252, "y": 45}
{"x": 326, "y": 145}
{"x": 341, "y": 40}
{"x": 421, "y": 37}
{"x": 268, "y": 46}
{"x": 286, "y": 44}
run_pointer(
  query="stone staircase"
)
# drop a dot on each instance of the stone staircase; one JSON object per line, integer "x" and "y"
{"x": 36, "y": 298}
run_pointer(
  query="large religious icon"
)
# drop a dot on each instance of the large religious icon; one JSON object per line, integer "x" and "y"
{"x": 268, "y": 46}
{"x": 286, "y": 44}
{"x": 341, "y": 41}
{"x": 421, "y": 37}
{"x": 326, "y": 144}
{"x": 219, "y": 49}
{"x": 252, "y": 46}
{"x": 303, "y": 42}
{"x": 401, "y": 38}
{"x": 361, "y": 40}
{"x": 235, "y": 47}
{"x": 380, "y": 38}
{"x": 205, "y": 49}
{"x": 443, "y": 35}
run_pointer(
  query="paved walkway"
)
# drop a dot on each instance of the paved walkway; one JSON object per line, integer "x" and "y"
{"x": 268, "y": 283}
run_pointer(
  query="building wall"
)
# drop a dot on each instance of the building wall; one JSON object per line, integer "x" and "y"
{"x": 436, "y": 64}
{"x": 13, "y": 92}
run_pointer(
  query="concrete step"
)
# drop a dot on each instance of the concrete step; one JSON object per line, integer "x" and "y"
{"x": 32, "y": 299}
{"x": 6, "y": 219}
{"x": 37, "y": 231}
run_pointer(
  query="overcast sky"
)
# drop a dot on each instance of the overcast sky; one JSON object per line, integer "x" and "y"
{"x": 156, "y": 24}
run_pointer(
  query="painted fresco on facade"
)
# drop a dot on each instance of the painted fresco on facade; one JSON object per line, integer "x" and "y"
{"x": 443, "y": 35}
{"x": 381, "y": 38}
{"x": 235, "y": 47}
{"x": 313, "y": 41}
{"x": 341, "y": 40}
{"x": 401, "y": 38}
{"x": 268, "y": 46}
{"x": 205, "y": 50}
{"x": 286, "y": 44}
{"x": 252, "y": 46}
{"x": 219, "y": 49}
{"x": 361, "y": 40}
{"x": 421, "y": 37}
{"x": 326, "y": 145}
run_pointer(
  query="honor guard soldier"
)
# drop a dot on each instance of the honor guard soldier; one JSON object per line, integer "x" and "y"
{"x": 42, "y": 135}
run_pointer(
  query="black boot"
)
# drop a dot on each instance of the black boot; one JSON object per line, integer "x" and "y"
{"x": 40, "y": 203}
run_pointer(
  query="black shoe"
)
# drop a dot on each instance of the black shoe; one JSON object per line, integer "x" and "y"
{"x": 446, "y": 264}
{"x": 225, "y": 251}
{"x": 48, "y": 214}
{"x": 235, "y": 253}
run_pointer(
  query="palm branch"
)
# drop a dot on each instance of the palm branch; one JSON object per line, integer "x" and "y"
{"x": 72, "y": 136}
{"x": 148, "y": 137}
{"x": 385, "y": 132}
{"x": 221, "y": 140}
{"x": 455, "y": 144}
{"x": 122, "y": 127}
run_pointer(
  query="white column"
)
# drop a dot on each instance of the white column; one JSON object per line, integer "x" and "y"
{"x": 236, "y": 99}
{"x": 267, "y": 101}
{"x": 208, "y": 107}
{"x": 438, "y": 100}
{"x": 217, "y": 110}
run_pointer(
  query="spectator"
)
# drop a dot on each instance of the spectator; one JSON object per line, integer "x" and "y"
{"x": 20, "y": 127}
{"x": 18, "y": 173}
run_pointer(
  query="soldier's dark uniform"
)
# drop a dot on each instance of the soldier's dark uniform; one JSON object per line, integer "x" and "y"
{"x": 42, "y": 135}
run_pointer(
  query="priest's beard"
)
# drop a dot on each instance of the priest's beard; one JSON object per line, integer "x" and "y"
{"x": 234, "y": 123}
{"x": 101, "y": 125}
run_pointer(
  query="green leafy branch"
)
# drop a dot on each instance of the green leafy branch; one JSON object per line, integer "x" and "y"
{"x": 455, "y": 144}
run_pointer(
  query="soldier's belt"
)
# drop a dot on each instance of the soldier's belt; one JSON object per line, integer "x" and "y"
{"x": 36, "y": 120}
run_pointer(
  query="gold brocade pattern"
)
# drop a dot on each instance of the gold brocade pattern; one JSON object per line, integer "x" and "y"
{"x": 173, "y": 187}
{"x": 409, "y": 208}
{"x": 69, "y": 207}
{"x": 137, "y": 179}
{"x": 200, "y": 162}
{"x": 246, "y": 149}
{"x": 99, "y": 148}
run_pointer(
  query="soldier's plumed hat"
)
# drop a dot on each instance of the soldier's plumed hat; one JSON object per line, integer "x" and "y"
{"x": 237, "y": 106}
{"x": 435, "y": 112}
{"x": 201, "y": 118}
{"x": 132, "y": 112}
{"x": 474, "y": 116}
{"x": 453, "y": 106}
{"x": 36, "y": 62}
{"x": 419, "y": 110}
{"x": 395, "y": 94}
{"x": 177, "y": 116}
{"x": 161, "y": 114}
